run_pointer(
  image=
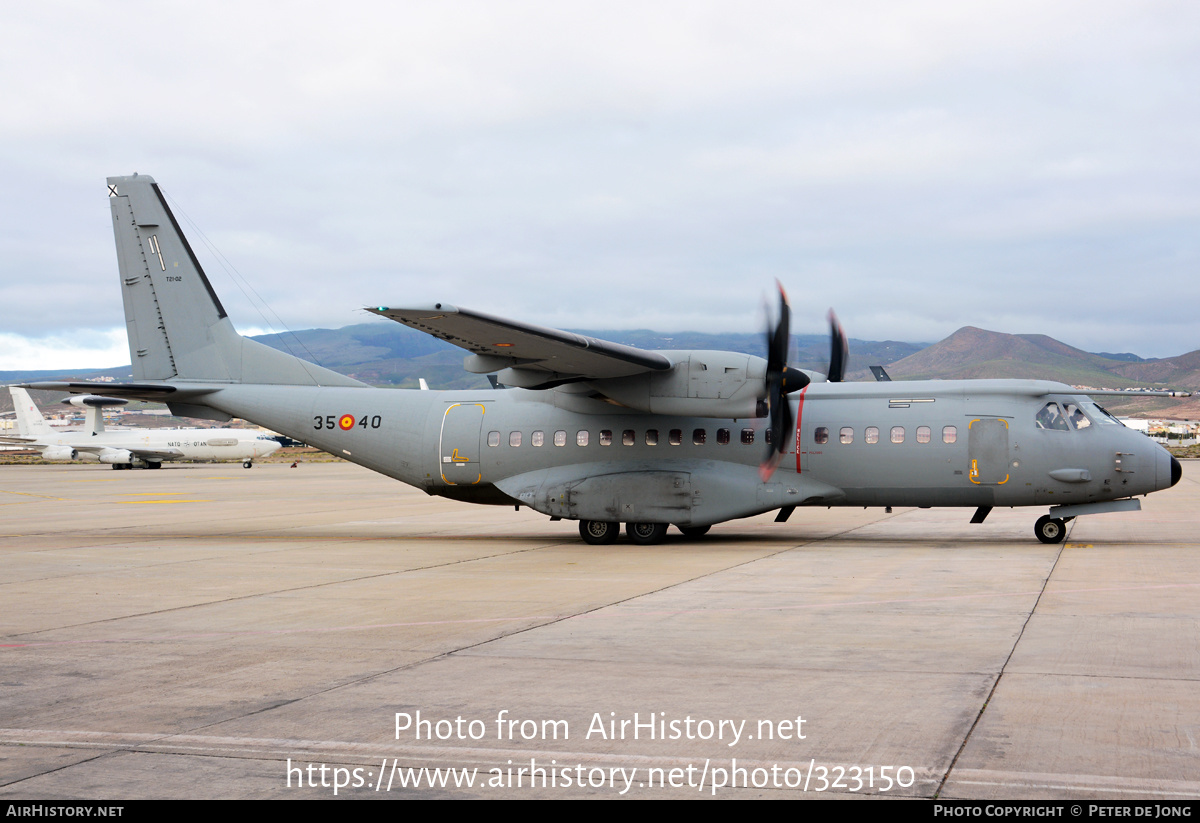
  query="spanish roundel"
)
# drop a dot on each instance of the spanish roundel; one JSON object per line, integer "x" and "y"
{"x": 346, "y": 421}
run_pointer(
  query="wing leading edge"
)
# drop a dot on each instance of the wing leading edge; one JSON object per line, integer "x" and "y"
{"x": 534, "y": 356}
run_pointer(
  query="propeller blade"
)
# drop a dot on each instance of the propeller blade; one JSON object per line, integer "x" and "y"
{"x": 778, "y": 382}
{"x": 778, "y": 337}
{"x": 782, "y": 424}
{"x": 839, "y": 350}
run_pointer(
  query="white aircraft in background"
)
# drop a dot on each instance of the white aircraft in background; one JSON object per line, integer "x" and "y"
{"x": 144, "y": 448}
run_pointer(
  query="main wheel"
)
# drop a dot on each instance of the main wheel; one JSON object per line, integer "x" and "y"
{"x": 1049, "y": 529}
{"x": 599, "y": 532}
{"x": 646, "y": 534}
{"x": 693, "y": 531}
{"x": 247, "y": 465}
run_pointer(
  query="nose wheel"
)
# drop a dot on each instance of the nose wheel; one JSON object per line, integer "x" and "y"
{"x": 1050, "y": 529}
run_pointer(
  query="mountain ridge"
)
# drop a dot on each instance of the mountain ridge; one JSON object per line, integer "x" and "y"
{"x": 396, "y": 356}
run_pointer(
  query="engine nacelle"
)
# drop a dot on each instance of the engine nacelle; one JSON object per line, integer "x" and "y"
{"x": 59, "y": 453}
{"x": 702, "y": 384}
{"x": 115, "y": 456}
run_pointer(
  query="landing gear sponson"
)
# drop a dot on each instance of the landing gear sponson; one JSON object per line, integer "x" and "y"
{"x": 601, "y": 532}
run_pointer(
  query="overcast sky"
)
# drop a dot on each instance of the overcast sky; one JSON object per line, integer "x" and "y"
{"x": 1025, "y": 167}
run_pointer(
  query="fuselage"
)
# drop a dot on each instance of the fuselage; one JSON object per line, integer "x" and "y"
{"x": 933, "y": 443}
{"x": 164, "y": 444}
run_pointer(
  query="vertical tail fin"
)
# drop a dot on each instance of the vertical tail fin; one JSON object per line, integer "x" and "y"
{"x": 30, "y": 422}
{"x": 178, "y": 329}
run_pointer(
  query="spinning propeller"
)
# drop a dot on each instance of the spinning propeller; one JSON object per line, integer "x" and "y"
{"x": 781, "y": 381}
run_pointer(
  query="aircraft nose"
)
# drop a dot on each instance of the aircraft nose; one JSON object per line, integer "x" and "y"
{"x": 1167, "y": 470}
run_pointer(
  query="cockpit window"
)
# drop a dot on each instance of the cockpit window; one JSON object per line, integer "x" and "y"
{"x": 1077, "y": 417}
{"x": 1051, "y": 417}
{"x": 1098, "y": 413}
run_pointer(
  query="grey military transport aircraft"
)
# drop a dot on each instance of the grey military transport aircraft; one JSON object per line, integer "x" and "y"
{"x": 590, "y": 430}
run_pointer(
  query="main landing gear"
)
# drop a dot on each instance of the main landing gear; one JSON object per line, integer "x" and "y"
{"x": 601, "y": 532}
{"x": 1051, "y": 529}
{"x": 646, "y": 534}
{"x": 246, "y": 464}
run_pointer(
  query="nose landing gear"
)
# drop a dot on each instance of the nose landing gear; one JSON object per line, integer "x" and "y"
{"x": 1051, "y": 529}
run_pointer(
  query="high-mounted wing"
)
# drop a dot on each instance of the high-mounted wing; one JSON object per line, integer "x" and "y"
{"x": 535, "y": 356}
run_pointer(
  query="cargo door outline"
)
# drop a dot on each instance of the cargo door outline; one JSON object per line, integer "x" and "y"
{"x": 458, "y": 444}
{"x": 987, "y": 451}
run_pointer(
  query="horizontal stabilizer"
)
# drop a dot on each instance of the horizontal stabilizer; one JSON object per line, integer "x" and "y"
{"x": 149, "y": 392}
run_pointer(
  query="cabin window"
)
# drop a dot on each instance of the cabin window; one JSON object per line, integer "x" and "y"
{"x": 846, "y": 435}
{"x": 627, "y": 437}
{"x": 581, "y": 439}
{"x": 514, "y": 439}
{"x": 949, "y": 434}
{"x": 493, "y": 438}
{"x": 560, "y": 438}
{"x": 537, "y": 438}
{"x": 767, "y": 437}
{"x": 923, "y": 434}
{"x": 1077, "y": 417}
{"x": 897, "y": 434}
{"x": 871, "y": 434}
{"x": 676, "y": 436}
{"x": 699, "y": 437}
{"x": 651, "y": 437}
{"x": 1050, "y": 417}
{"x": 748, "y": 437}
{"x": 605, "y": 437}
{"x": 723, "y": 437}
{"x": 821, "y": 435}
